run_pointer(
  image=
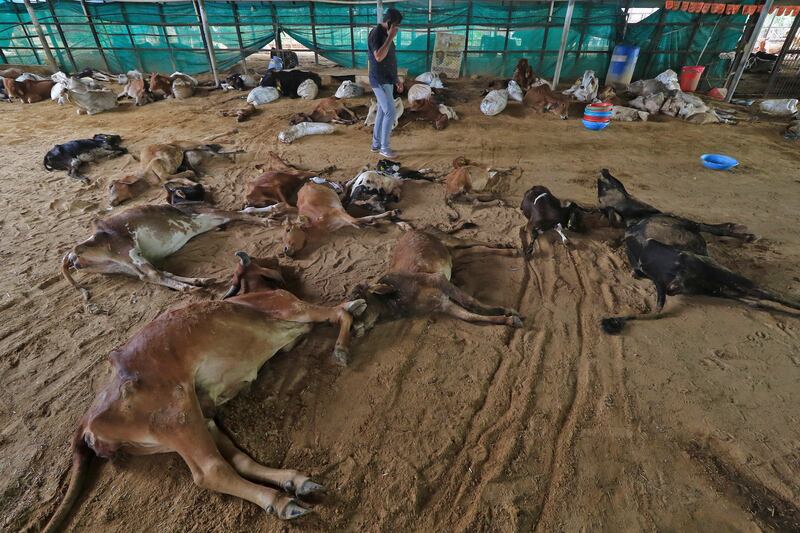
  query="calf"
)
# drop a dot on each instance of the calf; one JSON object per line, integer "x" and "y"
{"x": 427, "y": 111}
{"x": 622, "y": 209}
{"x": 169, "y": 378}
{"x": 373, "y": 190}
{"x": 287, "y": 81}
{"x": 242, "y": 114}
{"x": 131, "y": 241}
{"x": 524, "y": 75}
{"x": 279, "y": 184}
{"x": 670, "y": 252}
{"x": 181, "y": 194}
{"x": 459, "y": 185}
{"x": 241, "y": 82}
{"x": 136, "y": 88}
{"x": 546, "y": 212}
{"x": 71, "y": 155}
{"x": 29, "y": 91}
{"x": 320, "y": 208}
{"x": 327, "y": 110}
{"x": 395, "y": 169}
{"x": 417, "y": 281}
{"x": 542, "y": 97}
{"x": 177, "y": 161}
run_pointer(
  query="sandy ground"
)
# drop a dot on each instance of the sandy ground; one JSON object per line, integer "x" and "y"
{"x": 689, "y": 423}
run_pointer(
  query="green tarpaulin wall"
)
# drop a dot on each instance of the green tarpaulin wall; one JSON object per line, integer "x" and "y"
{"x": 167, "y": 36}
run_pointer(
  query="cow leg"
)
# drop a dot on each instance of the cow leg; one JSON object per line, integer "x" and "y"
{"x": 194, "y": 443}
{"x": 473, "y": 304}
{"x": 451, "y": 308}
{"x": 560, "y": 231}
{"x": 196, "y": 282}
{"x": 342, "y": 315}
{"x": 74, "y": 166}
{"x": 147, "y": 272}
{"x": 289, "y": 480}
{"x": 372, "y": 218}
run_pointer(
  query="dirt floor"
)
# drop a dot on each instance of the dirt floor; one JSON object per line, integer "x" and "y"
{"x": 689, "y": 423}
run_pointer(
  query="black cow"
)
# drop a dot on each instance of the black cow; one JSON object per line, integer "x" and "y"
{"x": 287, "y": 81}
{"x": 71, "y": 155}
{"x": 181, "y": 194}
{"x": 546, "y": 212}
{"x": 670, "y": 252}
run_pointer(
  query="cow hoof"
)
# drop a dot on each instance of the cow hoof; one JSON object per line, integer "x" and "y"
{"x": 341, "y": 356}
{"x": 291, "y": 510}
{"x": 309, "y": 488}
{"x": 356, "y": 307}
{"x": 612, "y": 326}
{"x": 515, "y": 321}
{"x": 204, "y": 282}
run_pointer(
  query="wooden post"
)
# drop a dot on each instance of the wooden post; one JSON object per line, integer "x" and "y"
{"x": 48, "y": 54}
{"x": 124, "y": 12}
{"x": 94, "y": 34}
{"x": 166, "y": 37}
{"x": 63, "y": 37}
{"x": 25, "y": 31}
{"x": 563, "y": 48}
{"x": 352, "y": 39}
{"x": 508, "y": 32}
{"x": 235, "y": 9}
{"x": 313, "y": 32}
{"x": 201, "y": 10}
{"x": 748, "y": 49}
{"x": 787, "y": 45}
{"x": 544, "y": 39}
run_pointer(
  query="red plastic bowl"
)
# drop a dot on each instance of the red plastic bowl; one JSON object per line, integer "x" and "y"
{"x": 597, "y": 119}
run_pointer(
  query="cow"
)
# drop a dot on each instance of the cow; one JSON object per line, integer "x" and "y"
{"x": 417, "y": 281}
{"x": 241, "y": 82}
{"x": 372, "y": 190}
{"x": 181, "y": 194}
{"x": 177, "y": 85}
{"x": 327, "y": 110}
{"x": 177, "y": 161}
{"x": 542, "y": 97}
{"x": 279, "y": 184}
{"x": 671, "y": 252}
{"x": 136, "y": 88}
{"x": 242, "y": 114}
{"x": 545, "y": 212}
{"x": 29, "y": 91}
{"x": 130, "y": 242}
{"x": 427, "y": 111}
{"x": 169, "y": 378}
{"x": 524, "y": 75}
{"x": 321, "y": 209}
{"x": 71, "y": 155}
{"x": 460, "y": 186}
{"x": 287, "y": 81}
{"x": 622, "y": 209}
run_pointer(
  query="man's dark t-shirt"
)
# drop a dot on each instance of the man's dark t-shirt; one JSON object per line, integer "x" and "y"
{"x": 381, "y": 72}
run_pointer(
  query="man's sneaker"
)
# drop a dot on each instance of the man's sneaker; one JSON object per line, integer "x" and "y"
{"x": 375, "y": 149}
{"x": 388, "y": 153}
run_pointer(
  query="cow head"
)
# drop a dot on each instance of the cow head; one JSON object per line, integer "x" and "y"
{"x": 109, "y": 141}
{"x": 608, "y": 184}
{"x": 125, "y": 188}
{"x": 179, "y": 194}
{"x": 381, "y": 299}
{"x": 294, "y": 238}
{"x": 255, "y": 274}
{"x": 297, "y": 118}
{"x": 270, "y": 79}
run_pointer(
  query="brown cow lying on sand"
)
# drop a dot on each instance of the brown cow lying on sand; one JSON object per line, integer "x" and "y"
{"x": 169, "y": 378}
{"x": 460, "y": 185}
{"x": 328, "y": 110}
{"x": 542, "y": 97}
{"x": 131, "y": 241}
{"x": 524, "y": 75}
{"x": 29, "y": 91}
{"x": 279, "y": 184}
{"x": 418, "y": 281}
{"x": 321, "y": 209}
{"x": 177, "y": 161}
{"x": 427, "y": 111}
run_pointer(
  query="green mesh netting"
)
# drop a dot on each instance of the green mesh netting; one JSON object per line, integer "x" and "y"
{"x": 131, "y": 37}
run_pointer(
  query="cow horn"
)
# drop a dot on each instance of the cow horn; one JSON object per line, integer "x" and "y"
{"x": 243, "y": 258}
{"x": 233, "y": 290}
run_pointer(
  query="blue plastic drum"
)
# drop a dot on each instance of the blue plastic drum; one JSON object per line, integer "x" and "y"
{"x": 623, "y": 62}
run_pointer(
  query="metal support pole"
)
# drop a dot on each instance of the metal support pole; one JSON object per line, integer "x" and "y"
{"x": 587, "y": 7}
{"x": 201, "y": 10}
{"x": 27, "y": 34}
{"x": 546, "y": 31}
{"x": 466, "y": 36}
{"x": 748, "y": 50}
{"x": 505, "y": 43}
{"x": 654, "y": 41}
{"x": 563, "y": 48}
{"x": 275, "y": 27}
{"x": 787, "y": 45}
{"x": 313, "y": 32}
{"x": 352, "y": 39}
{"x": 94, "y": 34}
{"x": 685, "y": 56}
{"x": 124, "y": 12}
{"x": 3, "y": 56}
{"x": 379, "y": 11}
{"x": 166, "y": 37}
{"x": 428, "y": 55}
{"x": 235, "y": 9}
{"x": 48, "y": 54}
{"x": 63, "y": 37}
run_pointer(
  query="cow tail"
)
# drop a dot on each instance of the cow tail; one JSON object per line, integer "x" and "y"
{"x": 81, "y": 457}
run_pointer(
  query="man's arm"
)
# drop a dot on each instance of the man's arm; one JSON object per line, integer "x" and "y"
{"x": 383, "y": 51}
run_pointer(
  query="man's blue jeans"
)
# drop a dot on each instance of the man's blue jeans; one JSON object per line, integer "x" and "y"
{"x": 384, "y": 119}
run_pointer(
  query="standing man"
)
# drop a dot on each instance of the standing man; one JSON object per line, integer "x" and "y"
{"x": 383, "y": 78}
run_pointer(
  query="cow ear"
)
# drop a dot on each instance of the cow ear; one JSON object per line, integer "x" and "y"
{"x": 382, "y": 289}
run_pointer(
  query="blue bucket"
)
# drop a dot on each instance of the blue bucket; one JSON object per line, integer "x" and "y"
{"x": 718, "y": 161}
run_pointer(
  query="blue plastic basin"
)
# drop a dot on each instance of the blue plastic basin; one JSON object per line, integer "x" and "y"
{"x": 595, "y": 125}
{"x": 718, "y": 161}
